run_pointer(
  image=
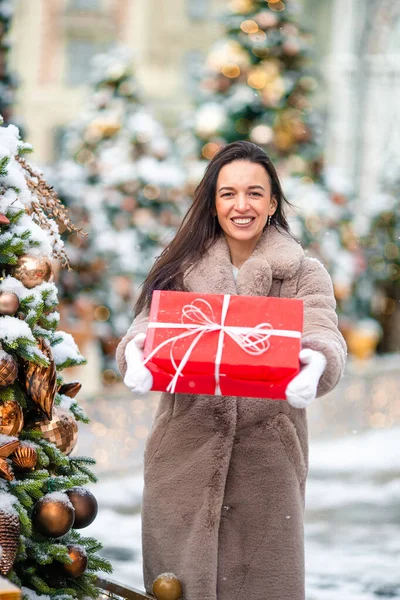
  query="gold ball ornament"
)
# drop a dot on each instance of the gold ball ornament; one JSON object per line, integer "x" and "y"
{"x": 41, "y": 381}
{"x": 9, "y": 303}
{"x": 25, "y": 458}
{"x": 53, "y": 515}
{"x": 33, "y": 270}
{"x": 61, "y": 430}
{"x": 85, "y": 505}
{"x": 9, "y": 540}
{"x": 11, "y": 418}
{"x": 167, "y": 587}
{"x": 8, "y": 370}
{"x": 79, "y": 562}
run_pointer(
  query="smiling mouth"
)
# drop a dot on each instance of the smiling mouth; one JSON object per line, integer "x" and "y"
{"x": 242, "y": 221}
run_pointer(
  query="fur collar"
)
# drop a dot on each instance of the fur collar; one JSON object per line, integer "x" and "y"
{"x": 276, "y": 256}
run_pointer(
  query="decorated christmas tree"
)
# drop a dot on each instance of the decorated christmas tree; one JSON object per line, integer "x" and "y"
{"x": 382, "y": 250}
{"x": 119, "y": 177}
{"x": 7, "y": 79}
{"x": 257, "y": 84}
{"x": 43, "y": 501}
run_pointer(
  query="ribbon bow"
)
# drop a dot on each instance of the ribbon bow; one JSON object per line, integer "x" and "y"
{"x": 198, "y": 318}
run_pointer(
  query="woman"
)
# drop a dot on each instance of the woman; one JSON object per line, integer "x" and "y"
{"x": 225, "y": 477}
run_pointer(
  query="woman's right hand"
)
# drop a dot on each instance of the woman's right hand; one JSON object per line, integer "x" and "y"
{"x": 137, "y": 378}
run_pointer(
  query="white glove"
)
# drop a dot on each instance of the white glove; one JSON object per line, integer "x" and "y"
{"x": 302, "y": 390}
{"x": 137, "y": 378}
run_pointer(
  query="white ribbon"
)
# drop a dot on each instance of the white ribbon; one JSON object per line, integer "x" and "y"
{"x": 197, "y": 319}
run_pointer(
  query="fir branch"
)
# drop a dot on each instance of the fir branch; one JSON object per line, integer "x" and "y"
{"x": 4, "y": 162}
{"x": 40, "y": 585}
{"x": 25, "y": 521}
{"x": 15, "y": 215}
{"x": 13, "y": 577}
{"x": 21, "y": 494}
{"x": 7, "y": 394}
{"x": 71, "y": 362}
{"x": 79, "y": 413}
{"x": 98, "y": 563}
{"x": 31, "y": 435}
{"x": 57, "y": 458}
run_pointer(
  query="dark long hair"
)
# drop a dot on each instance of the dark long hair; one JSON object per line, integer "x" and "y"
{"x": 199, "y": 228}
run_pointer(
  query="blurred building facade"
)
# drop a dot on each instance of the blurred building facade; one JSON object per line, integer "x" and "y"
{"x": 53, "y": 43}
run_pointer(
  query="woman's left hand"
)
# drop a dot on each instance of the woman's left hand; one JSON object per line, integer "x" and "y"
{"x": 302, "y": 390}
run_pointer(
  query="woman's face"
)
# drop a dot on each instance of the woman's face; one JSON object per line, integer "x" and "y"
{"x": 243, "y": 200}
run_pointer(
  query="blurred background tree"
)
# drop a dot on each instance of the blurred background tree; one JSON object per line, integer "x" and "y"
{"x": 122, "y": 183}
{"x": 8, "y": 81}
{"x": 257, "y": 84}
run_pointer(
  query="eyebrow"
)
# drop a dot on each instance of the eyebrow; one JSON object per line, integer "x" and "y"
{"x": 251, "y": 187}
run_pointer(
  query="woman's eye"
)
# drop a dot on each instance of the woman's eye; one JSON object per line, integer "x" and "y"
{"x": 255, "y": 193}
{"x": 226, "y": 194}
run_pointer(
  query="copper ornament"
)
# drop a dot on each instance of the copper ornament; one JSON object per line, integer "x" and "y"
{"x": 70, "y": 389}
{"x": 24, "y": 458}
{"x": 8, "y": 371}
{"x": 5, "y": 470}
{"x": 167, "y": 587}
{"x": 61, "y": 430}
{"x": 9, "y": 303}
{"x": 53, "y": 517}
{"x": 41, "y": 382}
{"x": 79, "y": 561}
{"x": 85, "y": 505}
{"x": 33, "y": 270}
{"x": 4, "y": 220}
{"x": 7, "y": 447}
{"x": 9, "y": 540}
{"x": 11, "y": 418}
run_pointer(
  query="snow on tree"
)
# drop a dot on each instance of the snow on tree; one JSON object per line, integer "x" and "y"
{"x": 119, "y": 176}
{"x": 257, "y": 84}
{"x": 41, "y": 493}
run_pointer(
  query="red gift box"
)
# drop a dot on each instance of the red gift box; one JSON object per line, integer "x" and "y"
{"x": 223, "y": 345}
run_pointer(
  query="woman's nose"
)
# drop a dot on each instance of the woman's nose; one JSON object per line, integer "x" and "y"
{"x": 241, "y": 202}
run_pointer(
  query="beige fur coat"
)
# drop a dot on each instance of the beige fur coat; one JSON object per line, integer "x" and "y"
{"x": 225, "y": 477}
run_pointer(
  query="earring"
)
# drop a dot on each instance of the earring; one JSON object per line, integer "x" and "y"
{"x": 269, "y": 221}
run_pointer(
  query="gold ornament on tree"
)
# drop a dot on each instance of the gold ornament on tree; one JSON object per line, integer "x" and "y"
{"x": 33, "y": 270}
{"x": 167, "y": 587}
{"x": 79, "y": 562}
{"x": 61, "y": 430}
{"x": 9, "y": 539}
{"x": 41, "y": 382}
{"x": 24, "y": 458}
{"x": 85, "y": 505}
{"x": 53, "y": 515}
{"x": 9, "y": 303}
{"x": 7, "y": 447}
{"x": 70, "y": 389}
{"x": 8, "y": 369}
{"x": 11, "y": 418}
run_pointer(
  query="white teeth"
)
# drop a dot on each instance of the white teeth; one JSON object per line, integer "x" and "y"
{"x": 242, "y": 221}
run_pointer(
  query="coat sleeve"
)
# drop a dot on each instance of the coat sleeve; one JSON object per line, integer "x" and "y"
{"x": 321, "y": 331}
{"x": 139, "y": 325}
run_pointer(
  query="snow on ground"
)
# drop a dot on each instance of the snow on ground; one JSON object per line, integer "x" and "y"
{"x": 352, "y": 519}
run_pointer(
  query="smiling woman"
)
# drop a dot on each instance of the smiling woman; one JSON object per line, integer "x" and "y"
{"x": 223, "y": 500}
{"x": 244, "y": 205}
